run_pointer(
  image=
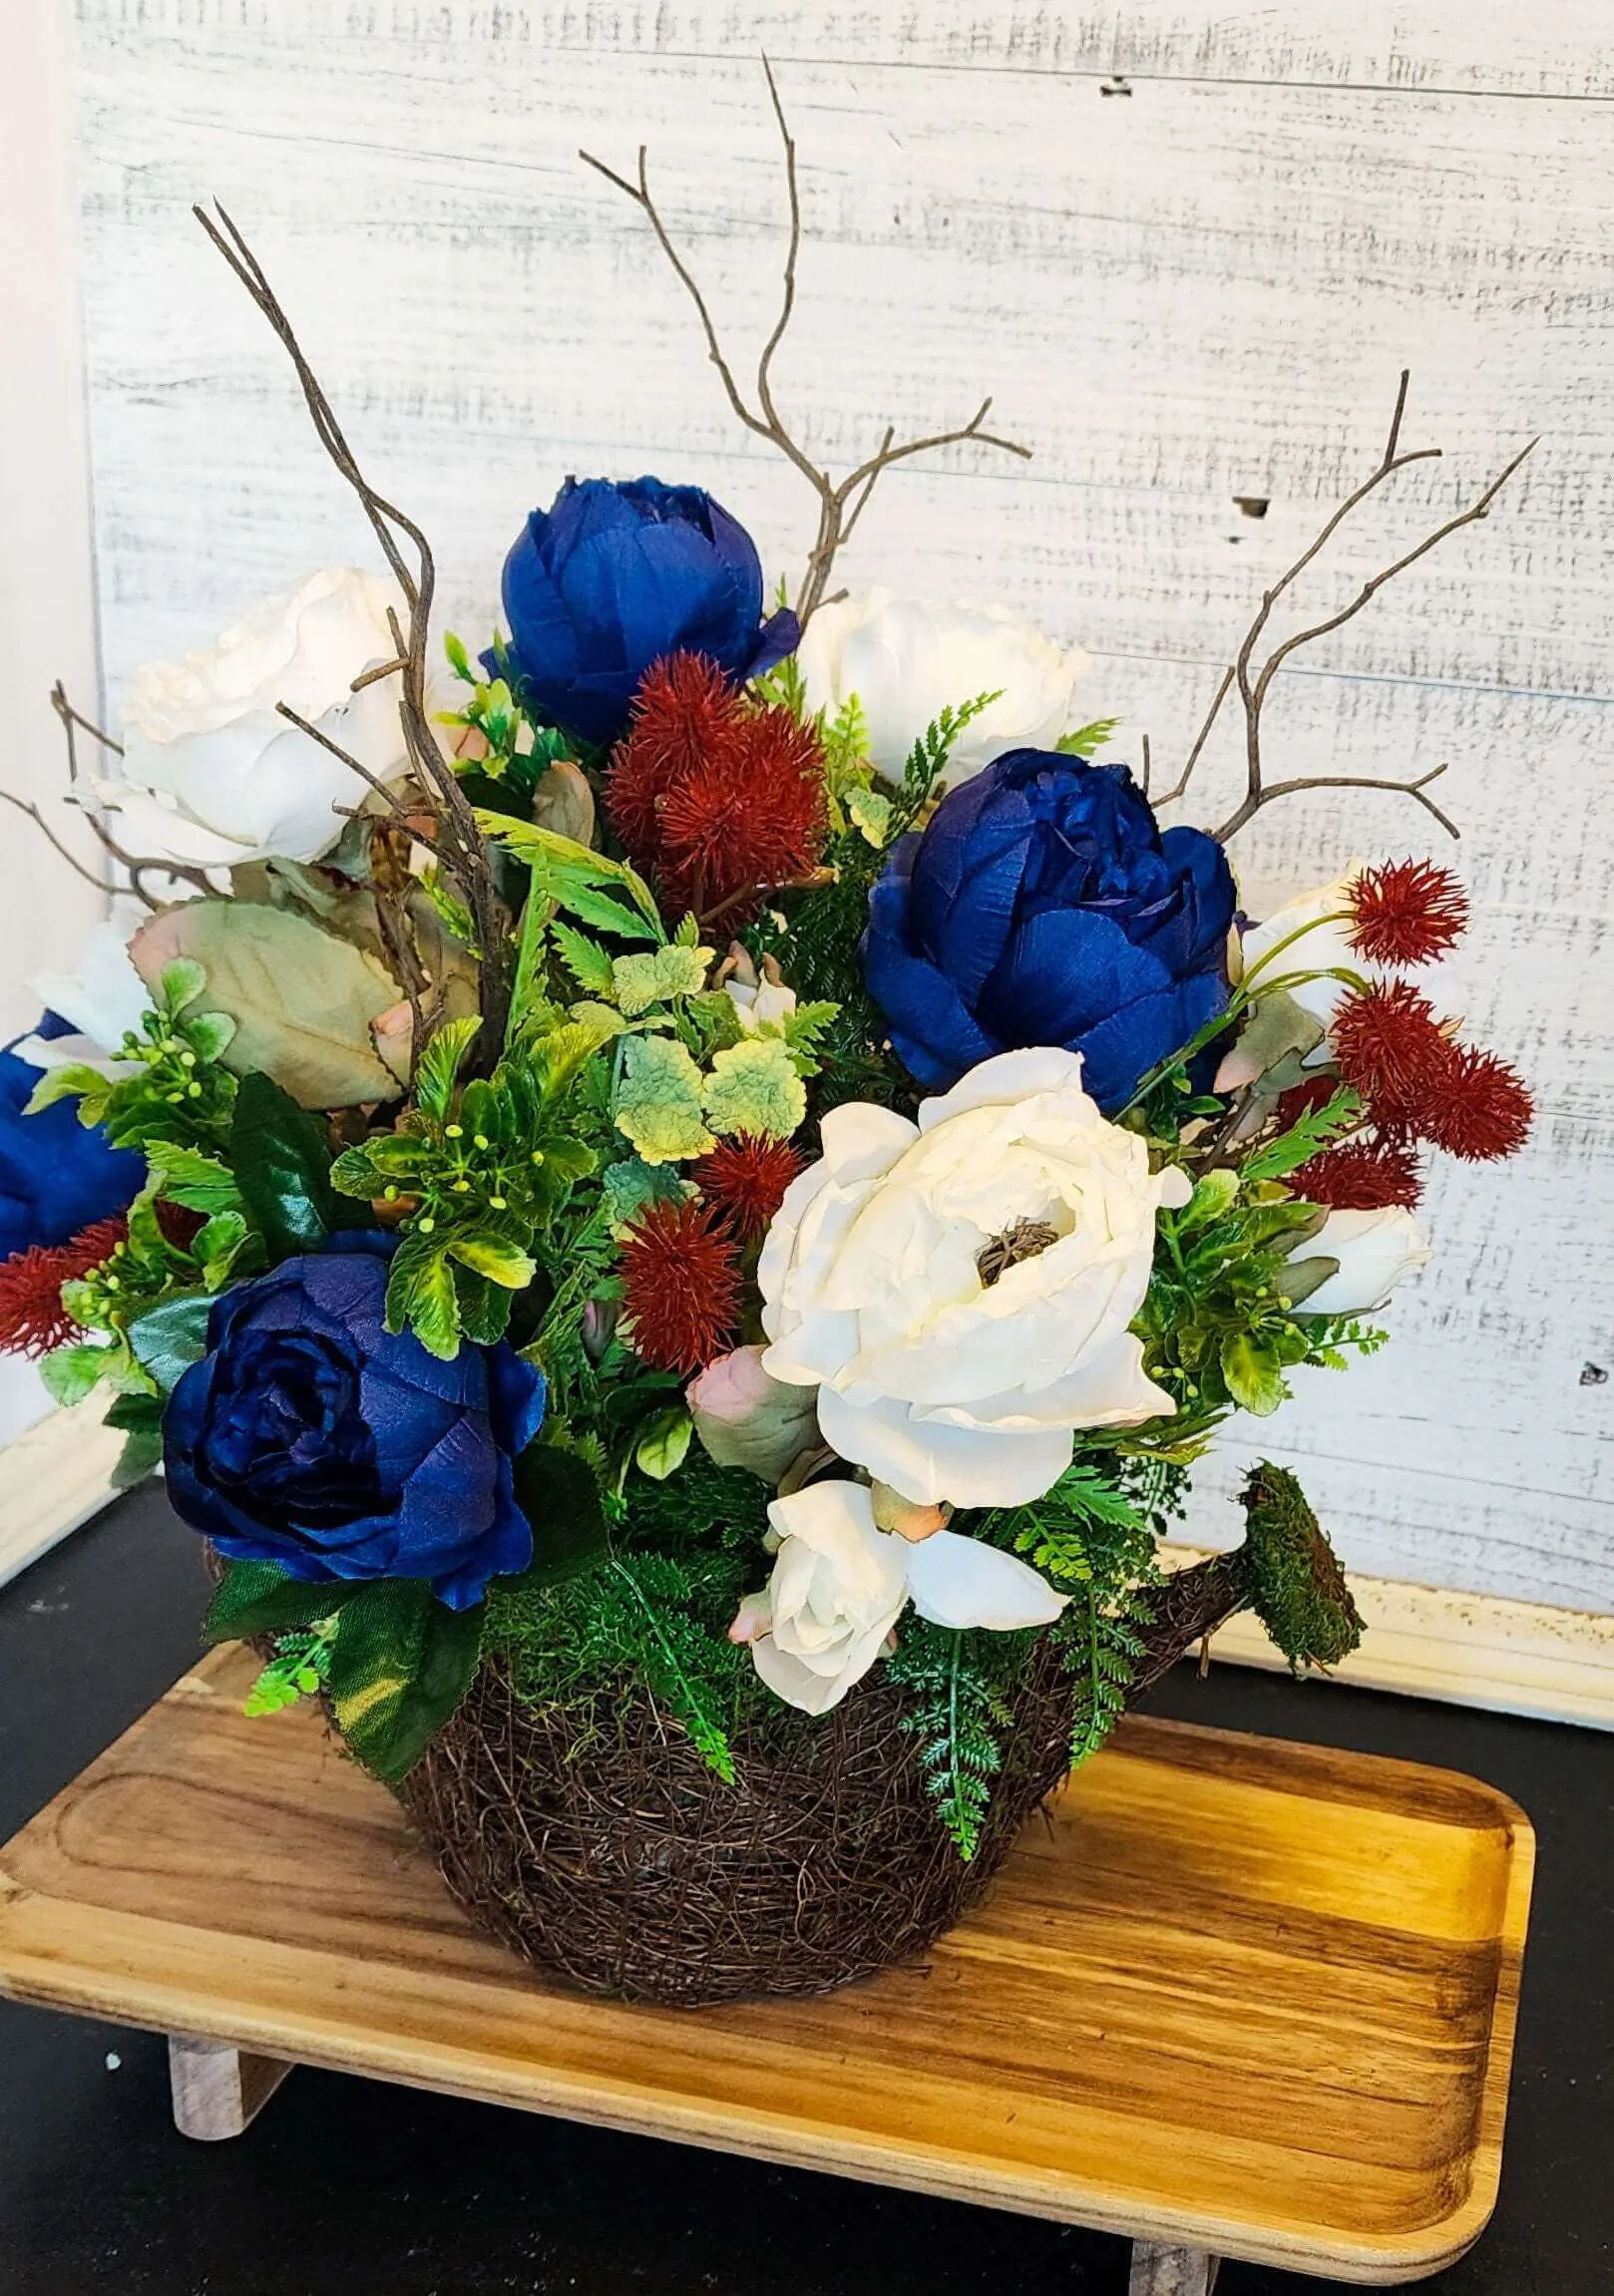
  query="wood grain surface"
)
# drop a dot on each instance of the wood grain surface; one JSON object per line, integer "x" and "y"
{"x": 1238, "y": 1996}
{"x": 1194, "y": 292}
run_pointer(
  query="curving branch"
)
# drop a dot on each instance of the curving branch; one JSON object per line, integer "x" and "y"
{"x": 462, "y": 850}
{"x": 140, "y": 866}
{"x": 841, "y": 501}
{"x": 1254, "y": 682}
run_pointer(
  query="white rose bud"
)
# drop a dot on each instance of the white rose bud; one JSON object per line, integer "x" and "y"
{"x": 214, "y": 776}
{"x": 1374, "y": 1251}
{"x": 906, "y": 659}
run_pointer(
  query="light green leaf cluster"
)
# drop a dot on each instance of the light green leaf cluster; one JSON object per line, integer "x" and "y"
{"x": 754, "y": 1087}
{"x": 657, "y": 977}
{"x": 659, "y": 1101}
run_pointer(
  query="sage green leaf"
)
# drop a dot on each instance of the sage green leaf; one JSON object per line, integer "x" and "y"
{"x": 1277, "y": 1026}
{"x": 169, "y": 1338}
{"x": 282, "y": 1158}
{"x": 303, "y": 1002}
{"x": 557, "y": 1494}
{"x": 1253, "y": 1373}
{"x": 262, "y": 1599}
{"x": 400, "y": 1664}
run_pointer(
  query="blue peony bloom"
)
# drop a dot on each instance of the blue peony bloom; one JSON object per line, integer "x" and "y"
{"x": 55, "y": 1174}
{"x": 1042, "y": 905}
{"x": 611, "y": 578}
{"x": 311, "y": 1437}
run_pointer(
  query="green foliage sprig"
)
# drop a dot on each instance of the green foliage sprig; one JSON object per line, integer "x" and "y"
{"x": 175, "y": 1090}
{"x": 958, "y": 1689}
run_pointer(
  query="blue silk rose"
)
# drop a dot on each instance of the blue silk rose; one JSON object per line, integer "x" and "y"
{"x": 1042, "y": 904}
{"x": 311, "y": 1437}
{"x": 55, "y": 1174}
{"x": 611, "y": 578}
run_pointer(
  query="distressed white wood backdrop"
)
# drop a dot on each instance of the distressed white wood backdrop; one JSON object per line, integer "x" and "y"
{"x": 1198, "y": 289}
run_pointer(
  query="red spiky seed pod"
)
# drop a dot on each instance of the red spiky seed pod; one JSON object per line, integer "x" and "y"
{"x": 746, "y": 1178}
{"x": 1392, "y": 1049}
{"x": 1480, "y": 1109}
{"x": 1406, "y": 912}
{"x": 681, "y": 1285}
{"x": 33, "y": 1320}
{"x": 713, "y": 795}
{"x": 1360, "y": 1176}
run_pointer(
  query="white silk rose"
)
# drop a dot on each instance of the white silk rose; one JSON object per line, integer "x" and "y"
{"x": 1374, "y": 1251}
{"x": 959, "y": 1289}
{"x": 212, "y": 776}
{"x": 840, "y": 1582}
{"x": 906, "y": 659}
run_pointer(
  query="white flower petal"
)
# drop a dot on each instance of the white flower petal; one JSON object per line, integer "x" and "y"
{"x": 961, "y": 1582}
{"x": 1009, "y": 1077}
{"x": 928, "y": 1461}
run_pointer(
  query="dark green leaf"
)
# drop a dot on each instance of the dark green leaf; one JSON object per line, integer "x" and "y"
{"x": 557, "y": 1494}
{"x": 262, "y": 1599}
{"x": 141, "y": 1454}
{"x": 169, "y": 1338}
{"x": 400, "y": 1665}
{"x": 281, "y": 1160}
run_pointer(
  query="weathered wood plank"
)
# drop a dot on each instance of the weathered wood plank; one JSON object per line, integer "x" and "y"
{"x": 1410, "y": 45}
{"x": 1129, "y": 2031}
{"x": 1196, "y": 294}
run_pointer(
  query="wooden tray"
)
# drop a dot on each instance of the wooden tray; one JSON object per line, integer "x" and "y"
{"x": 1238, "y": 1996}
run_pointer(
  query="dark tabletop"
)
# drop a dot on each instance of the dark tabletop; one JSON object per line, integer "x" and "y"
{"x": 361, "y": 2189}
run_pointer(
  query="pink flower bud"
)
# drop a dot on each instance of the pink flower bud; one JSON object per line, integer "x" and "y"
{"x": 745, "y": 1418}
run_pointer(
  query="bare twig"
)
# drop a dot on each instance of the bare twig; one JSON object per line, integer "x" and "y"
{"x": 394, "y": 802}
{"x": 70, "y": 718}
{"x": 1254, "y": 682}
{"x": 841, "y": 501}
{"x": 374, "y": 676}
{"x": 1200, "y": 740}
{"x": 43, "y": 826}
{"x": 1149, "y": 765}
{"x": 139, "y": 864}
{"x": 462, "y": 849}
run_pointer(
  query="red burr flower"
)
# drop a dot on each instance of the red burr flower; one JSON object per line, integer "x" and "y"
{"x": 681, "y": 1285}
{"x": 747, "y": 1178}
{"x": 1406, "y": 912}
{"x": 1479, "y": 1109}
{"x": 33, "y": 1320}
{"x": 716, "y": 796}
{"x": 1360, "y": 1176}
{"x": 1392, "y": 1050}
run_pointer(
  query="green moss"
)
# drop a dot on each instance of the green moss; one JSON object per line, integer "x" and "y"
{"x": 1298, "y": 1589}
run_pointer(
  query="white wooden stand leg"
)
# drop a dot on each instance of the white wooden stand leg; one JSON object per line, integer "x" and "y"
{"x": 218, "y": 2090}
{"x": 1161, "y": 2271}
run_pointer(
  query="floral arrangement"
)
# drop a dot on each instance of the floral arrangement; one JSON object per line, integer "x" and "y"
{"x": 718, "y": 1150}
